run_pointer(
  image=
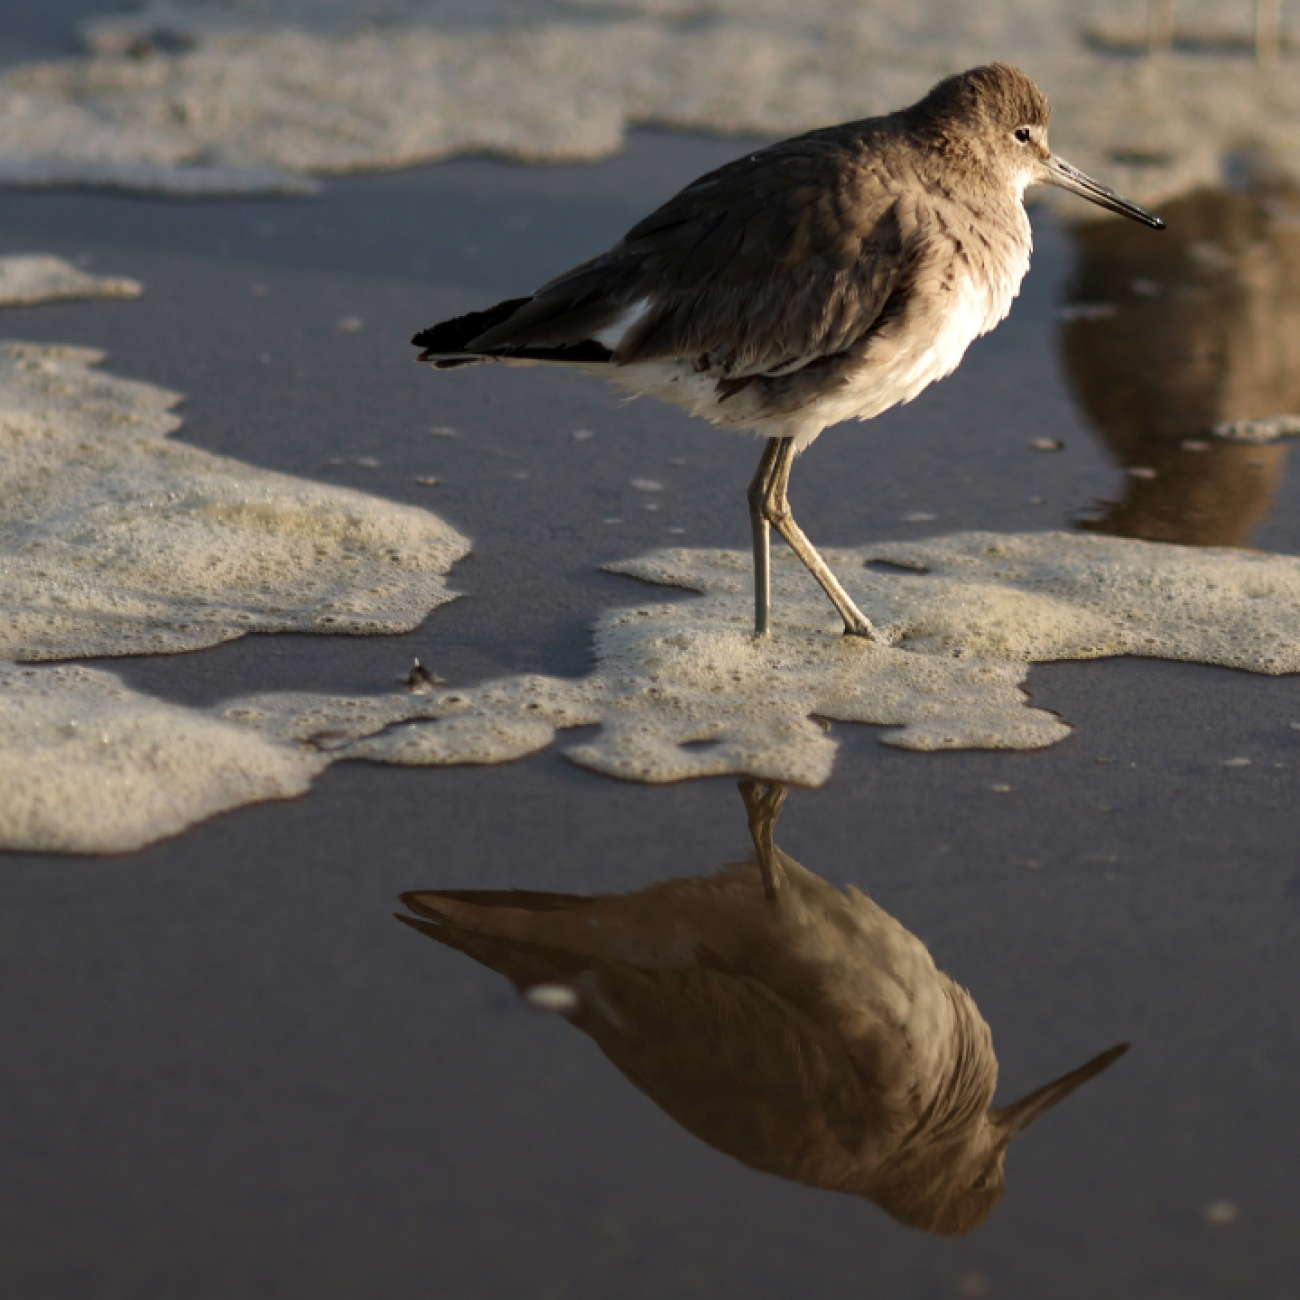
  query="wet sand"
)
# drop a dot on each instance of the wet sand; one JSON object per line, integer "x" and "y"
{"x": 231, "y": 1072}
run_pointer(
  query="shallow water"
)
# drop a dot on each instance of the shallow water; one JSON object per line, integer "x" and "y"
{"x": 233, "y": 1072}
{"x": 1165, "y": 341}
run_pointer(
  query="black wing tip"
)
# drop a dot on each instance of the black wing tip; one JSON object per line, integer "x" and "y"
{"x": 458, "y": 333}
{"x": 588, "y": 350}
{"x": 440, "y": 360}
{"x": 450, "y": 343}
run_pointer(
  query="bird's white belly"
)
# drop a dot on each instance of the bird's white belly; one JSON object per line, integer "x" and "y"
{"x": 680, "y": 382}
{"x": 897, "y": 367}
{"x": 912, "y": 363}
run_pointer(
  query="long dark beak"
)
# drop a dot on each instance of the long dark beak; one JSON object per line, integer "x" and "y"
{"x": 1021, "y": 1114}
{"x": 1059, "y": 172}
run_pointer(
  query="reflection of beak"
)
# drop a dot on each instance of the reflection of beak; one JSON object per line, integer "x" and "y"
{"x": 1059, "y": 172}
{"x": 1021, "y": 1114}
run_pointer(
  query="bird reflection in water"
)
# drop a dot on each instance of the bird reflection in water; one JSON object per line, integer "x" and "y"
{"x": 790, "y": 1024}
{"x": 1165, "y": 339}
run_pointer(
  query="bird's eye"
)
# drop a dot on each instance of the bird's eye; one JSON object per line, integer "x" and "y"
{"x": 1023, "y": 134}
{"x": 983, "y": 1180}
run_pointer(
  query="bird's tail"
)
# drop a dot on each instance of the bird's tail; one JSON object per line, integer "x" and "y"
{"x": 507, "y": 332}
{"x": 459, "y": 905}
{"x": 449, "y": 343}
{"x": 462, "y": 919}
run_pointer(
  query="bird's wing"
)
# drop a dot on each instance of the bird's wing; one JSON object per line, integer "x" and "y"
{"x": 775, "y": 260}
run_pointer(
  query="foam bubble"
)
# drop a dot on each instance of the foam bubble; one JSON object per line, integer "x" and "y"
{"x": 27, "y": 278}
{"x": 114, "y": 540}
{"x": 1271, "y": 429}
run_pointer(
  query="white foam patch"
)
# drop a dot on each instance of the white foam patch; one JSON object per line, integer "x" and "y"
{"x": 680, "y": 689}
{"x": 27, "y": 278}
{"x": 197, "y": 95}
{"x": 1040, "y": 597}
{"x": 90, "y": 766}
{"x": 114, "y": 540}
{"x": 1272, "y": 429}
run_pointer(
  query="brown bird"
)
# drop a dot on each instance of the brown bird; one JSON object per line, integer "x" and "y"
{"x": 826, "y": 278}
{"x": 792, "y": 1025}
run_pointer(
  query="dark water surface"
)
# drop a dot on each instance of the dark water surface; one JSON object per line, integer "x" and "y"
{"x": 227, "y": 1069}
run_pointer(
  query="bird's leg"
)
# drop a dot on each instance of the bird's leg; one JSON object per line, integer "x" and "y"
{"x": 775, "y": 509}
{"x": 763, "y": 802}
{"x": 758, "y": 490}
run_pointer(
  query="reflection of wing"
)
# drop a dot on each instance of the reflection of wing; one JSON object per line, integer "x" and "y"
{"x": 739, "y": 1067}
{"x": 731, "y": 1061}
{"x": 521, "y": 962}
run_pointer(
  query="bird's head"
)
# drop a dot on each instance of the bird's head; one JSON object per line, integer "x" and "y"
{"x": 951, "y": 1186}
{"x": 995, "y": 120}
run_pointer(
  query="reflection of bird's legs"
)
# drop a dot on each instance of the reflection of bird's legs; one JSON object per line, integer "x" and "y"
{"x": 768, "y": 505}
{"x": 1160, "y": 25}
{"x": 1267, "y": 30}
{"x": 763, "y": 802}
{"x": 1160, "y": 28}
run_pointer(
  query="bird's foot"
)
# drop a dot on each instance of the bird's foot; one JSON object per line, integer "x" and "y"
{"x": 862, "y": 627}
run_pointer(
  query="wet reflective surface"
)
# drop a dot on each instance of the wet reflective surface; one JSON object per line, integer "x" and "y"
{"x": 228, "y": 1071}
{"x": 1163, "y": 340}
{"x": 792, "y": 1025}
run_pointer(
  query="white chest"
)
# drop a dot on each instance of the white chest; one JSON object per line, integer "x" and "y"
{"x": 932, "y": 336}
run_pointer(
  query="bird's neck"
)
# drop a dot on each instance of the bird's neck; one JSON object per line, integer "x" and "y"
{"x": 963, "y": 1089}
